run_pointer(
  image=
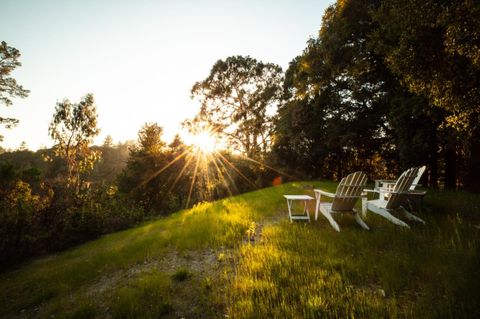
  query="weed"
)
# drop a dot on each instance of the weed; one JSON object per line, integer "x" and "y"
{"x": 181, "y": 274}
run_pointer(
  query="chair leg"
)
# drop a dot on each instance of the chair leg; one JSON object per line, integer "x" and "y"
{"x": 410, "y": 216}
{"x": 364, "y": 206}
{"x": 360, "y": 221}
{"x": 387, "y": 215}
{"x": 317, "y": 205}
{"x": 329, "y": 217}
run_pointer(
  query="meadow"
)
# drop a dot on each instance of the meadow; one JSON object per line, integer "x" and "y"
{"x": 240, "y": 257}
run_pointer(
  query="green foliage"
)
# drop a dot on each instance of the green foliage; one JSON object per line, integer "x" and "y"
{"x": 36, "y": 218}
{"x": 335, "y": 100}
{"x": 363, "y": 95}
{"x": 20, "y": 220}
{"x": 236, "y": 101}
{"x": 432, "y": 48}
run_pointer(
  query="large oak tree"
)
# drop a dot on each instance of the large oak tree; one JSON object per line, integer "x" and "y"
{"x": 238, "y": 100}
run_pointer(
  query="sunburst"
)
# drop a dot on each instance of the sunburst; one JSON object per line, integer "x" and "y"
{"x": 205, "y": 142}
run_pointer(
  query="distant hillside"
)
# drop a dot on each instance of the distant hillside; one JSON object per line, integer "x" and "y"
{"x": 113, "y": 160}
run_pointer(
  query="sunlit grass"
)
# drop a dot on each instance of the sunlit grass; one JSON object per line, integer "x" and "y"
{"x": 294, "y": 270}
{"x": 310, "y": 271}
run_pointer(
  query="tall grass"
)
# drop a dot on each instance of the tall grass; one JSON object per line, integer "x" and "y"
{"x": 311, "y": 271}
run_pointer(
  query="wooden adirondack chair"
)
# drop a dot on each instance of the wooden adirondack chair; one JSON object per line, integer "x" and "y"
{"x": 414, "y": 198}
{"x": 396, "y": 197}
{"x": 348, "y": 192}
{"x": 385, "y": 186}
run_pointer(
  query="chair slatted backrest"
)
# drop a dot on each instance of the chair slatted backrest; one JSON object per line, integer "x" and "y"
{"x": 421, "y": 170}
{"x": 349, "y": 191}
{"x": 401, "y": 188}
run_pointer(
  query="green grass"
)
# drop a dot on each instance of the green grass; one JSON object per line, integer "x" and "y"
{"x": 203, "y": 263}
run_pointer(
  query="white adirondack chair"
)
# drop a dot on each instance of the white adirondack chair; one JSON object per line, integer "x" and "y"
{"x": 386, "y": 186}
{"x": 396, "y": 198}
{"x": 348, "y": 192}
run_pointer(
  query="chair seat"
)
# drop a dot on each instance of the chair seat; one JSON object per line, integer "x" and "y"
{"x": 378, "y": 203}
{"x": 328, "y": 207}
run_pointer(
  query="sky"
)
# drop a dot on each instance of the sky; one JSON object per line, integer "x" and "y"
{"x": 139, "y": 58}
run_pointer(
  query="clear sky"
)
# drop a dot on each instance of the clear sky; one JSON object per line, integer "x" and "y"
{"x": 139, "y": 58}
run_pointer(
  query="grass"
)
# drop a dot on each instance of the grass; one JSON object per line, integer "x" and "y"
{"x": 242, "y": 258}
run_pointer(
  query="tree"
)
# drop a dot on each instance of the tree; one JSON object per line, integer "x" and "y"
{"x": 433, "y": 48}
{"x": 150, "y": 139}
{"x": 73, "y": 128}
{"x": 142, "y": 178}
{"x": 334, "y": 103}
{"x": 9, "y": 88}
{"x": 108, "y": 141}
{"x": 238, "y": 100}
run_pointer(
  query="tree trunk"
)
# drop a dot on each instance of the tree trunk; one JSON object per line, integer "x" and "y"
{"x": 472, "y": 180}
{"x": 433, "y": 172}
{"x": 450, "y": 165}
{"x": 433, "y": 163}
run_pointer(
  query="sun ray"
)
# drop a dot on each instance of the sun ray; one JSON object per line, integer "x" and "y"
{"x": 220, "y": 173}
{"x": 181, "y": 173}
{"x": 207, "y": 175}
{"x": 162, "y": 169}
{"x": 269, "y": 167}
{"x": 238, "y": 171}
{"x": 193, "y": 181}
{"x": 228, "y": 174}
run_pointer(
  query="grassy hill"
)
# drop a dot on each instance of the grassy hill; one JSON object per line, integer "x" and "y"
{"x": 241, "y": 257}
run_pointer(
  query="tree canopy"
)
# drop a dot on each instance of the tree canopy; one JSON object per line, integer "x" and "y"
{"x": 385, "y": 86}
{"x": 238, "y": 101}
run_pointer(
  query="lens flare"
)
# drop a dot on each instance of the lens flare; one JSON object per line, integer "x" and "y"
{"x": 205, "y": 142}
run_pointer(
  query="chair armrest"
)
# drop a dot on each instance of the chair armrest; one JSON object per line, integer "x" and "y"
{"x": 385, "y": 180}
{"x": 324, "y": 193}
{"x": 385, "y": 183}
{"x": 366, "y": 191}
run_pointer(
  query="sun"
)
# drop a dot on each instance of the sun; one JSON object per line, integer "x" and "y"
{"x": 205, "y": 142}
